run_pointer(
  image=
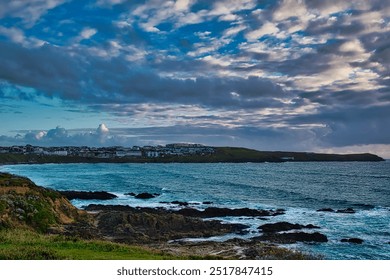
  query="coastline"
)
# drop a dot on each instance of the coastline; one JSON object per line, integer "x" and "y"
{"x": 154, "y": 229}
{"x": 205, "y": 192}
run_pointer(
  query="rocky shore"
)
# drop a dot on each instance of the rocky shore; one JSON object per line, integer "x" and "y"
{"x": 25, "y": 206}
{"x": 175, "y": 232}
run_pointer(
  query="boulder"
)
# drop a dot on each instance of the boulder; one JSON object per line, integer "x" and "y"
{"x": 99, "y": 195}
{"x": 352, "y": 240}
{"x": 283, "y": 226}
{"x": 145, "y": 196}
{"x": 293, "y": 237}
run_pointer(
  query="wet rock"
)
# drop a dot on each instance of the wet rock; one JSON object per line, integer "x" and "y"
{"x": 180, "y": 203}
{"x": 325, "y": 210}
{"x": 207, "y": 202}
{"x": 346, "y": 211}
{"x": 100, "y": 195}
{"x": 132, "y": 225}
{"x": 145, "y": 195}
{"x": 130, "y": 194}
{"x": 283, "y": 226}
{"x": 352, "y": 240}
{"x": 293, "y": 237}
{"x": 212, "y": 212}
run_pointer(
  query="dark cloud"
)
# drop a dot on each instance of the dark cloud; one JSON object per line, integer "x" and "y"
{"x": 316, "y": 76}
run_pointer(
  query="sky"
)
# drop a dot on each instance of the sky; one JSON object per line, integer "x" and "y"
{"x": 290, "y": 75}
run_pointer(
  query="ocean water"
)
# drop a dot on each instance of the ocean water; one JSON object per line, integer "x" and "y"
{"x": 300, "y": 188}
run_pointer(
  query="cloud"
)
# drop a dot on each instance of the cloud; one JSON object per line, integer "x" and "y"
{"x": 295, "y": 68}
{"x": 102, "y": 129}
{"x": 87, "y": 33}
{"x": 30, "y": 12}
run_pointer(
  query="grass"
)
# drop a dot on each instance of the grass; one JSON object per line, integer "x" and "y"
{"x": 18, "y": 244}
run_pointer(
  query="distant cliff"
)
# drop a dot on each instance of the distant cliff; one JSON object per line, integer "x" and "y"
{"x": 221, "y": 154}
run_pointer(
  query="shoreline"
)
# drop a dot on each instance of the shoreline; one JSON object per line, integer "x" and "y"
{"x": 221, "y": 155}
{"x": 152, "y": 228}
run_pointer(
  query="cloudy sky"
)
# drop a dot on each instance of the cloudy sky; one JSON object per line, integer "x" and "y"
{"x": 302, "y": 75}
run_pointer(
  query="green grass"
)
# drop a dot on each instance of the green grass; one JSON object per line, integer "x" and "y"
{"x": 27, "y": 245}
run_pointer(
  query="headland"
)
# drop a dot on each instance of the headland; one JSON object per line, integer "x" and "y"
{"x": 180, "y": 153}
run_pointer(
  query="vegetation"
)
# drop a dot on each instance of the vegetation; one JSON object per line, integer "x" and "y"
{"x": 17, "y": 244}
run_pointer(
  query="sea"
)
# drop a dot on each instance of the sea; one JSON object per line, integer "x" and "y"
{"x": 301, "y": 188}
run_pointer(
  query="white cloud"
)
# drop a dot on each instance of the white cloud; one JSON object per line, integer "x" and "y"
{"x": 87, "y": 33}
{"x": 29, "y": 12}
{"x": 102, "y": 129}
{"x": 268, "y": 28}
{"x": 183, "y": 5}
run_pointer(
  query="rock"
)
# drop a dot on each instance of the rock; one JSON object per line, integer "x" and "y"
{"x": 283, "y": 226}
{"x": 207, "y": 202}
{"x": 293, "y": 237}
{"x": 100, "y": 195}
{"x": 346, "y": 211}
{"x": 130, "y": 193}
{"x": 180, "y": 203}
{"x": 145, "y": 196}
{"x": 138, "y": 225}
{"x": 325, "y": 210}
{"x": 352, "y": 240}
{"x": 212, "y": 212}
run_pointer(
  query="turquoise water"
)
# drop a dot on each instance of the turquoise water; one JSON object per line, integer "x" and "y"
{"x": 300, "y": 188}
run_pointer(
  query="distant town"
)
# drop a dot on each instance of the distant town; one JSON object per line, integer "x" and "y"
{"x": 176, "y": 149}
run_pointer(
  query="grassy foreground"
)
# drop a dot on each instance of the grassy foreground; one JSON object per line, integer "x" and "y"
{"x": 19, "y": 244}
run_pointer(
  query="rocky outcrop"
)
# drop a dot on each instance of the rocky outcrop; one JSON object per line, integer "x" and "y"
{"x": 138, "y": 225}
{"x": 326, "y": 210}
{"x": 345, "y": 211}
{"x": 90, "y": 195}
{"x": 352, "y": 240}
{"x": 237, "y": 249}
{"x": 144, "y": 195}
{"x": 293, "y": 237}
{"x": 26, "y": 205}
{"x": 284, "y": 226}
{"x": 212, "y": 212}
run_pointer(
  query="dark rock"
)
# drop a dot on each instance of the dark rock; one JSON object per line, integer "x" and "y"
{"x": 212, "y": 212}
{"x": 325, "y": 210}
{"x": 180, "y": 203}
{"x": 346, "y": 211}
{"x": 283, "y": 226}
{"x": 145, "y": 196}
{"x": 101, "y": 195}
{"x": 352, "y": 240}
{"x": 137, "y": 225}
{"x": 293, "y": 237}
{"x": 207, "y": 202}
